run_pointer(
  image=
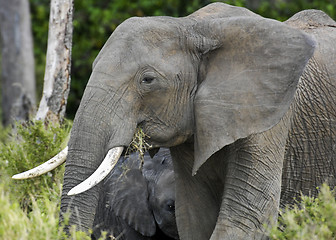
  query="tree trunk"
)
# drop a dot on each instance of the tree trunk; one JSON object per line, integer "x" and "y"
{"x": 57, "y": 73}
{"x": 18, "y": 68}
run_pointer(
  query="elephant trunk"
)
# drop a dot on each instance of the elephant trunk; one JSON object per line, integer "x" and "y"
{"x": 81, "y": 212}
{"x": 96, "y": 130}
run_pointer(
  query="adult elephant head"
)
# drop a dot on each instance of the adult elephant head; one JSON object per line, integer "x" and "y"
{"x": 214, "y": 86}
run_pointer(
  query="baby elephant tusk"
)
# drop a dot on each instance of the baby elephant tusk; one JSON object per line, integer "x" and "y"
{"x": 45, "y": 167}
{"x": 102, "y": 171}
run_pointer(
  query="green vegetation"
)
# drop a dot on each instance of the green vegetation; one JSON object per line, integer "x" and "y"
{"x": 30, "y": 208}
{"x": 26, "y": 147}
{"x": 311, "y": 219}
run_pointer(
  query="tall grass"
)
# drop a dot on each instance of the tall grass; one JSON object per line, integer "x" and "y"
{"x": 41, "y": 222}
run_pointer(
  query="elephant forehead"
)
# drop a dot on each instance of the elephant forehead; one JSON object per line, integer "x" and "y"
{"x": 142, "y": 35}
{"x": 166, "y": 180}
{"x": 142, "y": 26}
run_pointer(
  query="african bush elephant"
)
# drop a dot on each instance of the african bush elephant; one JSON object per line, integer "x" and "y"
{"x": 138, "y": 202}
{"x": 243, "y": 102}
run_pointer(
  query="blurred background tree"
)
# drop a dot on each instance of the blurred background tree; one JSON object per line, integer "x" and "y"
{"x": 56, "y": 85}
{"x": 95, "y": 20}
{"x": 18, "y": 93}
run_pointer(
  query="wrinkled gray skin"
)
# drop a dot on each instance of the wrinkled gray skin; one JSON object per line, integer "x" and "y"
{"x": 138, "y": 202}
{"x": 222, "y": 89}
{"x": 310, "y": 157}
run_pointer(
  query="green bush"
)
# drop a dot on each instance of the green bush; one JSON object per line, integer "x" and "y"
{"x": 311, "y": 219}
{"x": 28, "y": 146}
{"x": 30, "y": 208}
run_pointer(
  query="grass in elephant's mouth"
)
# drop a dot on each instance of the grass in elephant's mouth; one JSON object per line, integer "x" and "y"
{"x": 139, "y": 143}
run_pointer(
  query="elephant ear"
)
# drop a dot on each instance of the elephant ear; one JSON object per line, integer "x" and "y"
{"x": 248, "y": 76}
{"x": 130, "y": 202}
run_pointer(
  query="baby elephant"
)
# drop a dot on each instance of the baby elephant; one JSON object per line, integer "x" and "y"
{"x": 138, "y": 202}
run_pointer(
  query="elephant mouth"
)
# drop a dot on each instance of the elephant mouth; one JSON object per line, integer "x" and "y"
{"x": 158, "y": 135}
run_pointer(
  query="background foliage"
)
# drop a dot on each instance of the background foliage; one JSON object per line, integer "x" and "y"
{"x": 95, "y": 20}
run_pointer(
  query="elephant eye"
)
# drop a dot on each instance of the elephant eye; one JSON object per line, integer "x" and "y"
{"x": 147, "y": 80}
{"x": 170, "y": 206}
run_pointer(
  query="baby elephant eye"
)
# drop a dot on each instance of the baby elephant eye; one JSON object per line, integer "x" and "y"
{"x": 147, "y": 80}
{"x": 170, "y": 206}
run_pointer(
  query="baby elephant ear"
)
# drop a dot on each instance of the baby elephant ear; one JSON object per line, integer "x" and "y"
{"x": 247, "y": 81}
{"x": 130, "y": 202}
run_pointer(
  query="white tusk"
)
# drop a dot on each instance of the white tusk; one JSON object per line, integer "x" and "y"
{"x": 45, "y": 167}
{"x": 102, "y": 171}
